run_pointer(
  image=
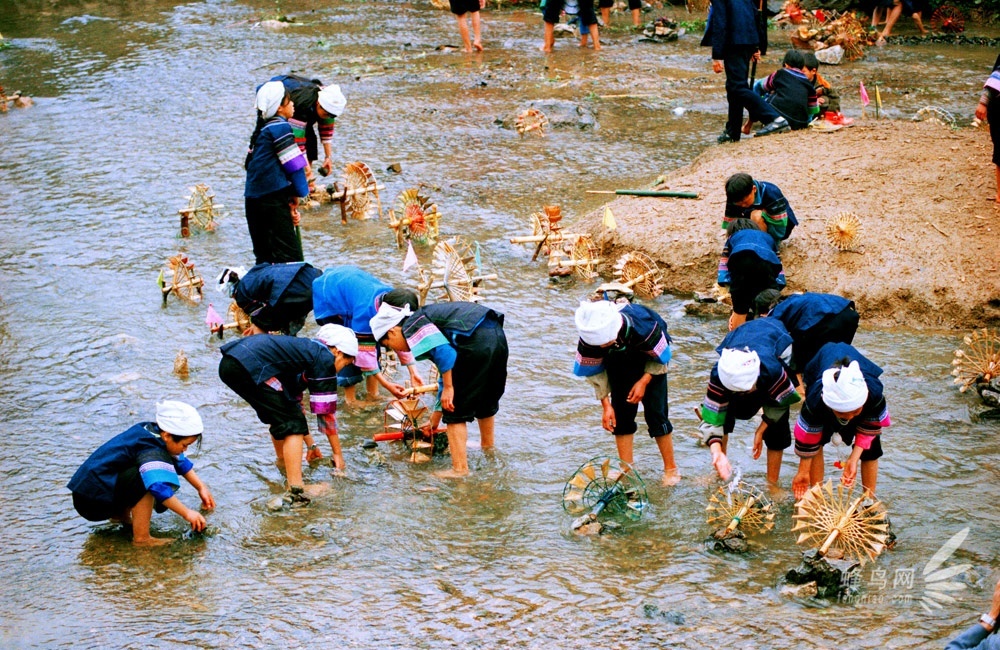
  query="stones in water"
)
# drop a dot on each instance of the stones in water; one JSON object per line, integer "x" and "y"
{"x": 561, "y": 114}
{"x": 728, "y": 541}
{"x": 832, "y": 577}
{"x": 653, "y": 612}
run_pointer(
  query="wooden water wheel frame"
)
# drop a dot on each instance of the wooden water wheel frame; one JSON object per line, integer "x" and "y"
{"x": 453, "y": 272}
{"x": 981, "y": 362}
{"x": 609, "y": 480}
{"x": 583, "y": 258}
{"x": 184, "y": 282}
{"x": 839, "y": 523}
{"x": 418, "y": 220}
{"x": 936, "y": 115}
{"x": 236, "y": 315}
{"x": 844, "y": 230}
{"x": 638, "y": 272}
{"x": 360, "y": 184}
{"x": 201, "y": 210}
{"x": 410, "y": 415}
{"x": 744, "y": 507}
{"x": 531, "y": 120}
{"x": 949, "y": 19}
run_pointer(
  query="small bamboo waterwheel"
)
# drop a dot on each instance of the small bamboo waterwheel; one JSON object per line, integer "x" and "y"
{"x": 361, "y": 186}
{"x": 604, "y": 485}
{"x": 583, "y": 257}
{"x": 639, "y": 272}
{"x": 185, "y": 283}
{"x": 843, "y": 230}
{"x": 936, "y": 115}
{"x": 418, "y": 220}
{"x": 744, "y": 507}
{"x": 841, "y": 524}
{"x": 455, "y": 273}
{"x": 238, "y": 316}
{"x": 531, "y": 120}
{"x": 201, "y": 210}
{"x": 981, "y": 362}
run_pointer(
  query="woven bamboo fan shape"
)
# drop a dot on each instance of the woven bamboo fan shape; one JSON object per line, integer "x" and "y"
{"x": 843, "y": 230}
{"x": 454, "y": 275}
{"x": 361, "y": 188}
{"x": 841, "y": 524}
{"x": 608, "y": 485}
{"x": 418, "y": 221}
{"x": 980, "y": 361}
{"x": 583, "y": 256}
{"x": 184, "y": 282}
{"x": 531, "y": 121}
{"x": 639, "y": 272}
{"x": 744, "y": 507}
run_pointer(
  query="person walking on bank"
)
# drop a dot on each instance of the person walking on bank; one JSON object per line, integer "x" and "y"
{"x": 988, "y": 109}
{"x": 736, "y": 38}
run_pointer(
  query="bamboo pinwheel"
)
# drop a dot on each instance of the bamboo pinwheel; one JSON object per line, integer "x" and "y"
{"x": 201, "y": 210}
{"x": 236, "y": 319}
{"x": 936, "y": 115}
{"x": 184, "y": 282}
{"x": 604, "y": 485}
{"x": 579, "y": 256}
{"x": 456, "y": 272}
{"x": 639, "y": 272}
{"x": 743, "y": 507}
{"x": 406, "y": 419}
{"x": 981, "y": 362}
{"x": 843, "y": 230}
{"x": 841, "y": 524}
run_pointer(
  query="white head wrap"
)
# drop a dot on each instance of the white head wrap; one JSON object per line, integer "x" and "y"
{"x": 269, "y": 98}
{"x": 332, "y": 100}
{"x": 340, "y": 337}
{"x": 223, "y": 283}
{"x": 178, "y": 418}
{"x": 598, "y": 322}
{"x": 846, "y": 392}
{"x": 739, "y": 369}
{"x": 387, "y": 318}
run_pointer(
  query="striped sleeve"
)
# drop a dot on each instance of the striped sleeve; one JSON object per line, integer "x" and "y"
{"x": 660, "y": 349}
{"x": 871, "y": 424}
{"x": 298, "y": 132}
{"x": 323, "y": 395}
{"x": 587, "y": 363}
{"x": 713, "y": 409}
{"x": 289, "y": 155}
{"x": 160, "y": 478}
{"x": 326, "y": 130}
{"x": 783, "y": 391}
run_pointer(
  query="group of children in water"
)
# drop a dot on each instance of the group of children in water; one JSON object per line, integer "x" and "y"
{"x": 776, "y": 354}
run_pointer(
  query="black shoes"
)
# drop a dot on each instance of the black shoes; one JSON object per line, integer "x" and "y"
{"x": 724, "y": 138}
{"x": 298, "y": 497}
{"x": 779, "y": 125}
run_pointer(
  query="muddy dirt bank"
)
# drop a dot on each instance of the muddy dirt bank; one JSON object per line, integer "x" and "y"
{"x": 929, "y": 253}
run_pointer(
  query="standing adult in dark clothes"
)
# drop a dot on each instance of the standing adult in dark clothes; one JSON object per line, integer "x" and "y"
{"x": 733, "y": 34}
{"x": 989, "y": 109}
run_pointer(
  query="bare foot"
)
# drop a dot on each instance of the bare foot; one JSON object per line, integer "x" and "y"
{"x": 467, "y": 50}
{"x": 477, "y": 46}
{"x": 151, "y": 541}
{"x": 746, "y": 127}
{"x": 597, "y": 47}
{"x": 451, "y": 473}
{"x": 671, "y": 477}
{"x": 545, "y": 48}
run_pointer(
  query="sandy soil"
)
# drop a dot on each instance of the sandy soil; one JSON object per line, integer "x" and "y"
{"x": 929, "y": 252}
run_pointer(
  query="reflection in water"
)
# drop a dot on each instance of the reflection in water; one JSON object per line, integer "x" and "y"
{"x": 139, "y": 101}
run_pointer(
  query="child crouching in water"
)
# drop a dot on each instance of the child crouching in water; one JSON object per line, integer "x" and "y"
{"x": 137, "y": 471}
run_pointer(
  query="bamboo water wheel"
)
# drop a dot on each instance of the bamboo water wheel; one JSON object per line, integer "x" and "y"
{"x": 184, "y": 282}
{"x": 201, "y": 210}
{"x": 407, "y": 419}
{"x": 578, "y": 257}
{"x": 841, "y": 524}
{"x": 418, "y": 221}
{"x": 936, "y": 115}
{"x": 531, "y": 120}
{"x": 741, "y": 506}
{"x": 604, "y": 485}
{"x": 638, "y": 272}
{"x": 949, "y": 19}
{"x": 354, "y": 194}
{"x": 455, "y": 273}
{"x": 980, "y": 362}
{"x": 843, "y": 230}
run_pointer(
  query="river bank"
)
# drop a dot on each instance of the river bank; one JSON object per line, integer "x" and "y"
{"x": 922, "y": 191}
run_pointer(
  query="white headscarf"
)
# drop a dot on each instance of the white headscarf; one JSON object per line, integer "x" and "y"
{"x": 846, "y": 392}
{"x": 387, "y": 318}
{"x": 178, "y": 418}
{"x": 598, "y": 322}
{"x": 340, "y": 337}
{"x": 332, "y": 100}
{"x": 269, "y": 98}
{"x": 223, "y": 284}
{"x": 739, "y": 369}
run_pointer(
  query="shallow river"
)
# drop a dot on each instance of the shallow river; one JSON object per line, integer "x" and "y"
{"x": 137, "y": 101}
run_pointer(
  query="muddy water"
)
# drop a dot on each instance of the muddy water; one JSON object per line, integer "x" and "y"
{"x": 138, "y": 101}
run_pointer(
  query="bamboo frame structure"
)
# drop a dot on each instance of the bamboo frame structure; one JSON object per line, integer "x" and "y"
{"x": 638, "y": 272}
{"x": 834, "y": 519}
{"x": 201, "y": 209}
{"x": 844, "y": 230}
{"x": 419, "y": 219}
{"x": 981, "y": 362}
{"x": 355, "y": 195}
{"x": 454, "y": 274}
{"x": 185, "y": 282}
{"x": 744, "y": 507}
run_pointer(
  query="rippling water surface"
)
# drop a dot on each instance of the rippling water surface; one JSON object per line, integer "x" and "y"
{"x": 136, "y": 101}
